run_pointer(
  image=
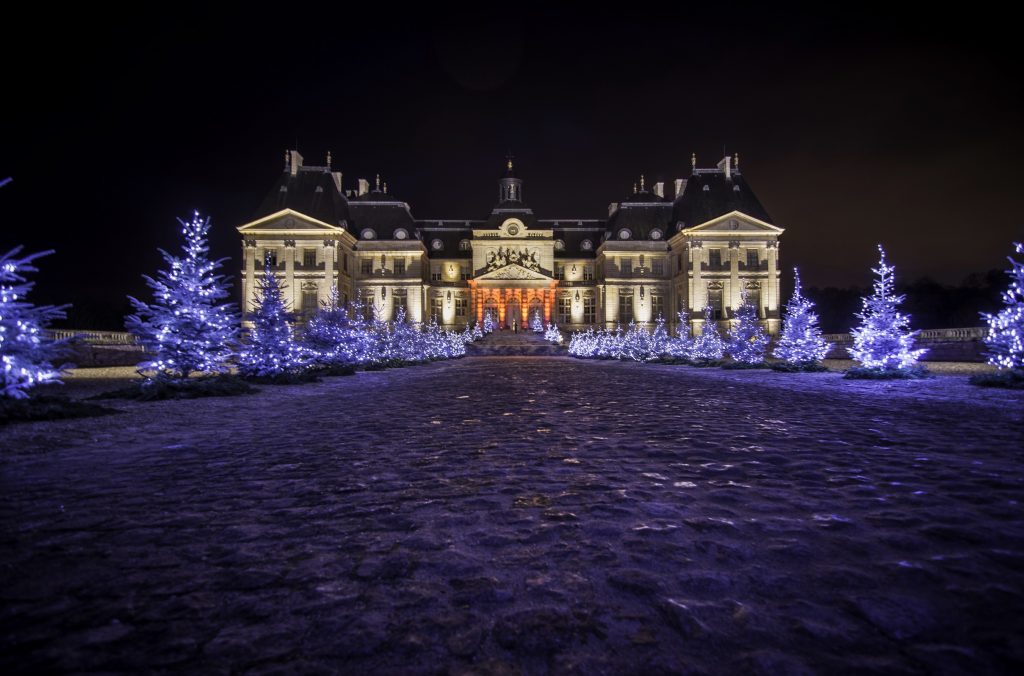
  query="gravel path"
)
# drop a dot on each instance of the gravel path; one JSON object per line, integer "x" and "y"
{"x": 523, "y": 515}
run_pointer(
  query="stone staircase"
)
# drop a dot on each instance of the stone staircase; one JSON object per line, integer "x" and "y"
{"x": 505, "y": 343}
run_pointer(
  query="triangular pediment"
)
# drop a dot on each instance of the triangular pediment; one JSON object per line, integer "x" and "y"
{"x": 735, "y": 222}
{"x": 288, "y": 221}
{"x": 513, "y": 271}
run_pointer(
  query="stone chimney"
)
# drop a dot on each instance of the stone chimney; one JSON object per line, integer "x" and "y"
{"x": 336, "y": 175}
{"x": 364, "y": 187}
{"x": 725, "y": 166}
{"x": 296, "y": 162}
{"x": 659, "y": 189}
{"x": 680, "y": 186}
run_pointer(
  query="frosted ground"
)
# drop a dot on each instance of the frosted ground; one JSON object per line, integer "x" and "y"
{"x": 505, "y": 515}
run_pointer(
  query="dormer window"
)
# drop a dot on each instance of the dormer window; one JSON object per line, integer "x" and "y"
{"x": 368, "y": 233}
{"x": 464, "y": 245}
{"x": 401, "y": 233}
{"x": 559, "y": 245}
{"x": 586, "y": 245}
{"x": 436, "y": 245}
{"x": 625, "y": 233}
{"x": 656, "y": 234}
{"x": 707, "y": 188}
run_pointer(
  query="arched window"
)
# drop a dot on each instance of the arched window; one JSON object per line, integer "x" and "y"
{"x": 368, "y": 233}
{"x": 465, "y": 245}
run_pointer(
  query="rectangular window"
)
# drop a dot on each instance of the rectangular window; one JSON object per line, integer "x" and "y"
{"x": 401, "y": 302}
{"x": 399, "y": 267}
{"x": 309, "y": 258}
{"x": 715, "y": 301}
{"x": 368, "y": 307}
{"x": 752, "y": 260}
{"x": 435, "y": 273}
{"x": 589, "y": 310}
{"x": 626, "y": 267}
{"x": 463, "y": 273}
{"x": 559, "y": 271}
{"x": 366, "y": 266}
{"x": 657, "y": 307}
{"x": 679, "y": 263}
{"x": 588, "y": 273}
{"x": 309, "y": 302}
{"x": 461, "y": 306}
{"x": 344, "y": 262}
{"x": 565, "y": 310}
{"x": 658, "y": 267}
{"x": 436, "y": 309}
{"x": 625, "y": 309}
{"x": 269, "y": 257}
{"x": 754, "y": 298}
{"x": 714, "y": 259}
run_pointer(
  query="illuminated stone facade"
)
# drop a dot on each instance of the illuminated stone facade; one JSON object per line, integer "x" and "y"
{"x": 652, "y": 256}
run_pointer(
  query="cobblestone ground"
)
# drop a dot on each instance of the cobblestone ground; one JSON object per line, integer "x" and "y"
{"x": 526, "y": 515}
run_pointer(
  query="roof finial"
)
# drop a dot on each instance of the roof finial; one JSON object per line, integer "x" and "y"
{"x": 328, "y": 159}
{"x": 642, "y": 188}
{"x": 693, "y": 162}
{"x": 287, "y": 158}
{"x": 378, "y": 182}
{"x": 736, "y": 161}
{"x": 634, "y": 188}
{"x": 508, "y": 156}
{"x": 385, "y": 187}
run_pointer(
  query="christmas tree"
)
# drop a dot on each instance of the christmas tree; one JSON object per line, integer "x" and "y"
{"x": 535, "y": 323}
{"x": 659, "y": 339}
{"x": 553, "y": 335}
{"x": 185, "y": 328}
{"x": 488, "y": 322}
{"x": 883, "y": 341}
{"x": 478, "y": 333}
{"x": 327, "y": 332}
{"x": 1005, "y": 339}
{"x": 747, "y": 340}
{"x": 271, "y": 350}
{"x": 26, "y": 355}
{"x": 682, "y": 345}
{"x": 636, "y": 344}
{"x": 800, "y": 343}
{"x": 708, "y": 347}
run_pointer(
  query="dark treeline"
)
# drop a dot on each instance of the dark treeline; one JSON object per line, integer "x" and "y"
{"x": 931, "y": 305}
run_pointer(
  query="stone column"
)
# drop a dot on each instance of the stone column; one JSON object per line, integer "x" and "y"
{"x": 248, "y": 290}
{"x": 289, "y": 273}
{"x": 734, "y": 275}
{"x": 697, "y": 301}
{"x": 772, "y": 287}
{"x": 328, "y": 269}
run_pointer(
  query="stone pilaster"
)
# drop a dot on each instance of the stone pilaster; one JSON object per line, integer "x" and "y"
{"x": 249, "y": 288}
{"x": 734, "y": 275}
{"x": 289, "y": 273}
{"x": 325, "y": 291}
{"x": 697, "y": 290}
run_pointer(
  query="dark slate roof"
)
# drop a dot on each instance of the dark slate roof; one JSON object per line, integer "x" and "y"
{"x": 697, "y": 205}
{"x": 641, "y": 218}
{"x": 573, "y": 235}
{"x": 311, "y": 192}
{"x": 450, "y": 238}
{"x": 644, "y": 196}
{"x": 507, "y": 210}
{"x": 384, "y": 217}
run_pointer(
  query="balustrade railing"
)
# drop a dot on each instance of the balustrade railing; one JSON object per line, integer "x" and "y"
{"x": 119, "y": 338}
{"x": 927, "y": 335}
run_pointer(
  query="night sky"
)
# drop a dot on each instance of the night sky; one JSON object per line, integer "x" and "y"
{"x": 851, "y": 129}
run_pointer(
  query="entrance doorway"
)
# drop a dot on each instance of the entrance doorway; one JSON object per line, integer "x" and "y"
{"x": 512, "y": 312}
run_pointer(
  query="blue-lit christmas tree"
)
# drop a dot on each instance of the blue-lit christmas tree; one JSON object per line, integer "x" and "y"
{"x": 186, "y": 328}
{"x": 884, "y": 341}
{"x": 681, "y": 346}
{"x": 488, "y": 322}
{"x": 270, "y": 350}
{"x": 708, "y": 347}
{"x": 801, "y": 344}
{"x": 535, "y": 322}
{"x": 326, "y": 334}
{"x": 25, "y": 353}
{"x": 1005, "y": 339}
{"x": 747, "y": 339}
{"x": 660, "y": 338}
{"x": 553, "y": 335}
